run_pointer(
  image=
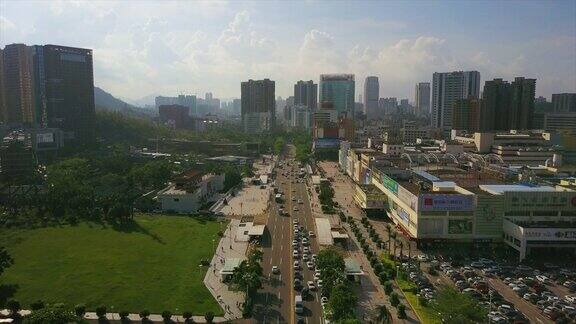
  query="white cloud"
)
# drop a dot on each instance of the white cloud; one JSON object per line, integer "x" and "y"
{"x": 6, "y": 25}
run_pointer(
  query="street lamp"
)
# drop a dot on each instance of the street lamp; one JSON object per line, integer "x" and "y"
{"x": 397, "y": 269}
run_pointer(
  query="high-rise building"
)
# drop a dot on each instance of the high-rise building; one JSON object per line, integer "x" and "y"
{"x": 564, "y": 102}
{"x": 495, "y": 105}
{"x": 522, "y": 103}
{"x": 388, "y": 105}
{"x": 69, "y": 92}
{"x": 422, "y": 98}
{"x": 466, "y": 114}
{"x": 446, "y": 89}
{"x": 258, "y": 105}
{"x": 18, "y": 79}
{"x": 306, "y": 93}
{"x": 339, "y": 89}
{"x": 371, "y": 96}
{"x": 3, "y": 111}
{"x": 405, "y": 106}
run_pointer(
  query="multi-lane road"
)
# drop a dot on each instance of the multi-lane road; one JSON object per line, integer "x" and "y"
{"x": 275, "y": 302}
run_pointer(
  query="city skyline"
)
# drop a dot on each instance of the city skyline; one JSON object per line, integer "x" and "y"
{"x": 159, "y": 50}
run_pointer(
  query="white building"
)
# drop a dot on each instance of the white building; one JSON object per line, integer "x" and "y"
{"x": 447, "y": 88}
{"x": 188, "y": 195}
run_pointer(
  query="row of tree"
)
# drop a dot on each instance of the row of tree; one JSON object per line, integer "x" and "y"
{"x": 247, "y": 277}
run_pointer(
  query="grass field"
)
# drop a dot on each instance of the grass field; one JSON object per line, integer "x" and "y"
{"x": 152, "y": 265}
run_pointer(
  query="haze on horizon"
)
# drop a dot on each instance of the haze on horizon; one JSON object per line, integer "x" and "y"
{"x": 144, "y": 48}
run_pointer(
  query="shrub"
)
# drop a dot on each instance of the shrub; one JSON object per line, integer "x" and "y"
{"x": 123, "y": 314}
{"x": 144, "y": 314}
{"x": 394, "y": 300}
{"x": 423, "y": 301}
{"x": 401, "y": 311}
{"x": 80, "y": 310}
{"x": 209, "y": 317}
{"x": 39, "y": 304}
{"x": 101, "y": 311}
{"x": 166, "y": 315}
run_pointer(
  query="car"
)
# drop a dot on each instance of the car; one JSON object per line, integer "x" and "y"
{"x": 543, "y": 279}
{"x": 296, "y": 254}
{"x": 305, "y": 249}
{"x": 275, "y": 270}
{"x": 310, "y": 265}
{"x": 323, "y": 300}
{"x": 314, "y": 256}
{"x": 297, "y": 283}
{"x": 305, "y": 241}
{"x": 311, "y": 234}
{"x": 295, "y": 209}
{"x": 305, "y": 257}
{"x": 570, "y": 299}
{"x": 317, "y": 276}
{"x": 294, "y": 243}
{"x": 311, "y": 285}
{"x": 319, "y": 283}
{"x": 295, "y": 221}
{"x": 293, "y": 199}
{"x": 422, "y": 257}
{"x": 296, "y": 265}
{"x": 297, "y": 274}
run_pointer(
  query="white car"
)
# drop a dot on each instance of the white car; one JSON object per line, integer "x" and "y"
{"x": 311, "y": 285}
{"x": 571, "y": 299}
{"x": 294, "y": 243}
{"x": 296, "y": 254}
{"x": 317, "y": 276}
{"x": 295, "y": 209}
{"x": 296, "y": 265}
{"x": 319, "y": 283}
{"x": 295, "y": 221}
{"x": 305, "y": 241}
{"x": 305, "y": 257}
{"x": 311, "y": 234}
{"x": 314, "y": 256}
{"x": 310, "y": 265}
{"x": 323, "y": 300}
{"x": 305, "y": 249}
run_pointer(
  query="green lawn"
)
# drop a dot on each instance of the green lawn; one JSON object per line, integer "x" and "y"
{"x": 153, "y": 265}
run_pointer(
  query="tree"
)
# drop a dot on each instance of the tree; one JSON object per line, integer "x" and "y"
{"x": 401, "y": 311}
{"x": 342, "y": 302}
{"x": 278, "y": 145}
{"x": 394, "y": 301}
{"x": 231, "y": 178}
{"x": 209, "y": 317}
{"x": 5, "y": 259}
{"x": 144, "y": 314}
{"x": 167, "y": 316}
{"x": 187, "y": 316}
{"x": 455, "y": 307}
{"x": 80, "y": 310}
{"x": 101, "y": 311}
{"x": 332, "y": 267}
{"x": 39, "y": 304}
{"x": 13, "y": 306}
{"x": 383, "y": 315}
{"x": 123, "y": 314}
{"x": 388, "y": 288}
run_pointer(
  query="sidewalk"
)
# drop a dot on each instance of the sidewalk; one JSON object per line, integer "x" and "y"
{"x": 228, "y": 247}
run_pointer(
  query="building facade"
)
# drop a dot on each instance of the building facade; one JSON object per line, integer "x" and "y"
{"x": 258, "y": 105}
{"x": 339, "y": 89}
{"x": 306, "y": 94}
{"x": 18, "y": 80}
{"x": 371, "y": 96}
{"x": 446, "y": 89}
{"x": 466, "y": 114}
{"x": 522, "y": 103}
{"x": 564, "y": 102}
{"x": 422, "y": 98}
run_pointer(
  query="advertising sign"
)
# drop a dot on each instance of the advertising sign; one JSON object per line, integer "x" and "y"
{"x": 540, "y": 200}
{"x": 437, "y": 202}
{"x": 390, "y": 184}
{"x": 549, "y": 234}
{"x": 403, "y": 215}
{"x": 407, "y": 197}
{"x": 460, "y": 226}
{"x": 45, "y": 138}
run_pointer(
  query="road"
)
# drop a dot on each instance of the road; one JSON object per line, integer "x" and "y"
{"x": 275, "y": 301}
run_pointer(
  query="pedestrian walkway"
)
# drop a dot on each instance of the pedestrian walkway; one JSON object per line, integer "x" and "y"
{"x": 228, "y": 247}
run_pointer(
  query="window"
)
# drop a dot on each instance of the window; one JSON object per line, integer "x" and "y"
{"x": 176, "y": 199}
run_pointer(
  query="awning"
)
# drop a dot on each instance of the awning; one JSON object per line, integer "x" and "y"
{"x": 352, "y": 268}
{"x": 229, "y": 266}
{"x": 323, "y": 229}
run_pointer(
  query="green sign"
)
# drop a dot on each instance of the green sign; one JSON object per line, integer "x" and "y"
{"x": 390, "y": 184}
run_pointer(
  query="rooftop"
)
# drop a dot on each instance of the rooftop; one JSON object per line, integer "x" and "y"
{"x": 502, "y": 188}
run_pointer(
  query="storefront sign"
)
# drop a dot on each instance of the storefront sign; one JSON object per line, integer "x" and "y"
{"x": 541, "y": 200}
{"x": 432, "y": 202}
{"x": 403, "y": 215}
{"x": 407, "y": 197}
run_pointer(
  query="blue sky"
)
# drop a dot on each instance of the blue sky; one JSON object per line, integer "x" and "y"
{"x": 169, "y": 47}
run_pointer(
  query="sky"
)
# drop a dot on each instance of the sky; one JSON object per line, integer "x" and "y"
{"x": 143, "y": 48}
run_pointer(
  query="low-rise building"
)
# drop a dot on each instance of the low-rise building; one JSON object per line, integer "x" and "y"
{"x": 190, "y": 191}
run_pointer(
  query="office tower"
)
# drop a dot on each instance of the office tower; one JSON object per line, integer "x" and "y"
{"x": 236, "y": 104}
{"x": 446, "y": 89}
{"x": 466, "y": 114}
{"x": 18, "y": 83}
{"x": 404, "y": 106}
{"x": 540, "y": 100}
{"x": 258, "y": 105}
{"x": 388, "y": 105}
{"x": 208, "y": 96}
{"x": 306, "y": 93}
{"x": 422, "y": 98}
{"x": 301, "y": 117}
{"x": 564, "y": 102}
{"x": 69, "y": 81}
{"x": 495, "y": 104}
{"x": 339, "y": 89}
{"x": 371, "y": 96}
{"x": 521, "y": 103}
{"x": 3, "y": 111}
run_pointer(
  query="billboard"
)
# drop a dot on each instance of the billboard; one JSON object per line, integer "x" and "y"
{"x": 44, "y": 138}
{"x": 549, "y": 234}
{"x": 460, "y": 226}
{"x": 390, "y": 184}
{"x": 437, "y": 202}
{"x": 407, "y": 197}
{"x": 403, "y": 215}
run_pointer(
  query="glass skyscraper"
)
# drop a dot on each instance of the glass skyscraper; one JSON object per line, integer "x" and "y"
{"x": 339, "y": 89}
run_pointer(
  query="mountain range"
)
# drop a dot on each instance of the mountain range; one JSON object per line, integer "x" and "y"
{"x": 106, "y": 101}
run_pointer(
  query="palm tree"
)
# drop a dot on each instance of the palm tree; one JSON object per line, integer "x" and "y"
{"x": 383, "y": 315}
{"x": 409, "y": 249}
{"x": 401, "y": 243}
{"x": 209, "y": 317}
